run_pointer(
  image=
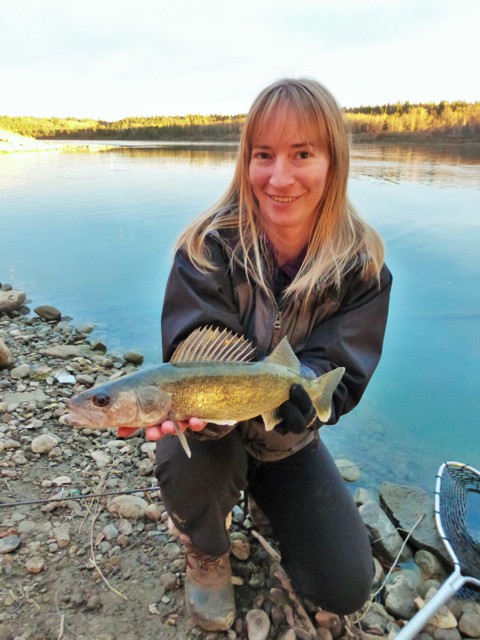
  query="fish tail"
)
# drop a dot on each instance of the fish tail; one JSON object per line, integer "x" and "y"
{"x": 321, "y": 391}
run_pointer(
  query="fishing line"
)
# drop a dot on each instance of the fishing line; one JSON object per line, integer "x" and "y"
{"x": 85, "y": 497}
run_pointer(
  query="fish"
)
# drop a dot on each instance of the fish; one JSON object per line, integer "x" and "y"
{"x": 210, "y": 376}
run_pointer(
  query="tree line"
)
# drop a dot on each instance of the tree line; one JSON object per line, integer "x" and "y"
{"x": 443, "y": 120}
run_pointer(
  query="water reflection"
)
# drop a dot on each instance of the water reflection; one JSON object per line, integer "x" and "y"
{"x": 194, "y": 156}
{"x": 449, "y": 165}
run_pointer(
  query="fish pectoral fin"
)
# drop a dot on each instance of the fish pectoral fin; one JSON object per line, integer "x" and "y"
{"x": 271, "y": 419}
{"x": 229, "y": 423}
{"x": 181, "y": 436}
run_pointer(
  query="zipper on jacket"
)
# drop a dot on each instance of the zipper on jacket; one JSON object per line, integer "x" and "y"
{"x": 276, "y": 328}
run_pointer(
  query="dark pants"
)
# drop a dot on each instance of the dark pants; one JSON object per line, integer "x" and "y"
{"x": 323, "y": 542}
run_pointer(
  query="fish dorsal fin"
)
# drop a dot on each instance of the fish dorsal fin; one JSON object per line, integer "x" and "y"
{"x": 283, "y": 355}
{"x": 211, "y": 344}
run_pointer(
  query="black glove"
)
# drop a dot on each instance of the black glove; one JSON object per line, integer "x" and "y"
{"x": 297, "y": 413}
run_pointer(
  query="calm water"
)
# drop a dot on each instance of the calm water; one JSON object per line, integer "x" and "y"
{"x": 92, "y": 235}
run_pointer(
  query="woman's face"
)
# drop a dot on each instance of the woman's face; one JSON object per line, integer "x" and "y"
{"x": 288, "y": 174}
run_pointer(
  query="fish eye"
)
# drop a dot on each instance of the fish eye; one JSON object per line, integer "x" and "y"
{"x": 101, "y": 400}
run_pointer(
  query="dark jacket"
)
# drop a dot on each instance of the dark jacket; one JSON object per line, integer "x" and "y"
{"x": 335, "y": 329}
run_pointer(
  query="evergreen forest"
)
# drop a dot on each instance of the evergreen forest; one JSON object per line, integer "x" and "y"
{"x": 452, "y": 121}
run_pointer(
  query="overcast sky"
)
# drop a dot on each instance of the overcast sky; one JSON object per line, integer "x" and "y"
{"x": 109, "y": 59}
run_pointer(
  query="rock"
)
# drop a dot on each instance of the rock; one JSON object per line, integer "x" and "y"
{"x": 430, "y": 566}
{"x": 379, "y": 572}
{"x": 149, "y": 448}
{"x": 64, "y": 351}
{"x": 154, "y": 512}
{"x": 86, "y": 379}
{"x": 101, "y": 459}
{"x": 405, "y": 505}
{"x": 5, "y": 356}
{"x": 128, "y": 507}
{"x": 375, "y": 619}
{"x": 47, "y": 312}
{"x": 350, "y": 471}
{"x": 62, "y": 480}
{"x": 258, "y": 624}
{"x": 125, "y": 527}
{"x": 400, "y": 600}
{"x": 133, "y": 357}
{"x": 21, "y": 372}
{"x": 36, "y": 564}
{"x": 44, "y": 443}
{"x": 172, "y": 550}
{"x": 469, "y": 625}
{"x": 64, "y": 377}
{"x": 361, "y": 496}
{"x": 240, "y": 547}
{"x": 386, "y": 540}
{"x": 84, "y": 328}
{"x": 25, "y": 396}
{"x": 62, "y": 536}
{"x": 6, "y": 632}
{"x": 11, "y": 300}
{"x": 9, "y": 544}
{"x": 446, "y": 634}
{"x": 444, "y": 619}
{"x": 110, "y": 531}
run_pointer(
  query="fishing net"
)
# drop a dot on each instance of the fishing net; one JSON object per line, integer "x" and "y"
{"x": 458, "y": 517}
{"x": 457, "y": 514}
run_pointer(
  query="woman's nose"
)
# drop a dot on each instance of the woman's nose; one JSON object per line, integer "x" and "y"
{"x": 281, "y": 175}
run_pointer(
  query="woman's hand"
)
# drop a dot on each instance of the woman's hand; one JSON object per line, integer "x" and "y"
{"x": 297, "y": 413}
{"x": 157, "y": 431}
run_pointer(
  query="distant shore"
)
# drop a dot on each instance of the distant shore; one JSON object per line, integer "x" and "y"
{"x": 15, "y": 143}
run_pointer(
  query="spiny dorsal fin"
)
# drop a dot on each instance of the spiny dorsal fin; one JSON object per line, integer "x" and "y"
{"x": 210, "y": 344}
{"x": 283, "y": 355}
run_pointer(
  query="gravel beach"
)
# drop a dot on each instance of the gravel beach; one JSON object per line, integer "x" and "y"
{"x": 107, "y": 568}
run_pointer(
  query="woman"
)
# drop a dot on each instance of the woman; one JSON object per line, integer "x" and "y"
{"x": 283, "y": 253}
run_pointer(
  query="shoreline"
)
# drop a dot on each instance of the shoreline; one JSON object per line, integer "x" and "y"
{"x": 14, "y": 143}
{"x": 51, "y": 358}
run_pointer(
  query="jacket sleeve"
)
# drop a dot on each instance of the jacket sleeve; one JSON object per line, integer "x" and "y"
{"x": 352, "y": 337}
{"x": 194, "y": 299}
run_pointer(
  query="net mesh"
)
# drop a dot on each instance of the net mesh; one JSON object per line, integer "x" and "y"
{"x": 458, "y": 484}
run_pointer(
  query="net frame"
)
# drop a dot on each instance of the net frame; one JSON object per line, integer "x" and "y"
{"x": 454, "y": 480}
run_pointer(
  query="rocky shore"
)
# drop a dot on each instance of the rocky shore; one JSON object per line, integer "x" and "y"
{"x": 106, "y": 567}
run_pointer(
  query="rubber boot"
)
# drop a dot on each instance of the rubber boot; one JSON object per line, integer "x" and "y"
{"x": 208, "y": 589}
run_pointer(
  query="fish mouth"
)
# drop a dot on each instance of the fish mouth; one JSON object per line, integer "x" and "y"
{"x": 82, "y": 418}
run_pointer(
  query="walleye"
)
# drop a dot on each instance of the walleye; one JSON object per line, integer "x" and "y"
{"x": 210, "y": 376}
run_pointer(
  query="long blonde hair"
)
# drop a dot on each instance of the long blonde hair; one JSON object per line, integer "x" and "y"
{"x": 340, "y": 237}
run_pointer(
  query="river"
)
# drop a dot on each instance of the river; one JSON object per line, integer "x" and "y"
{"x": 92, "y": 234}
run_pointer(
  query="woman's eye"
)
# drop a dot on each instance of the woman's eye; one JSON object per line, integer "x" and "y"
{"x": 303, "y": 155}
{"x": 262, "y": 155}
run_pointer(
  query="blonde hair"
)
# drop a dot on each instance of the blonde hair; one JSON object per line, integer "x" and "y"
{"x": 340, "y": 237}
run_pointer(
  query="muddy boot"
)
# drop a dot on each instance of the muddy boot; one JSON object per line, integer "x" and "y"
{"x": 208, "y": 589}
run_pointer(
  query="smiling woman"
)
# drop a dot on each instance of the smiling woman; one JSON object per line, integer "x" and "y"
{"x": 282, "y": 255}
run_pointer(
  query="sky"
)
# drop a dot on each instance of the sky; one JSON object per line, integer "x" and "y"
{"x": 110, "y": 59}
